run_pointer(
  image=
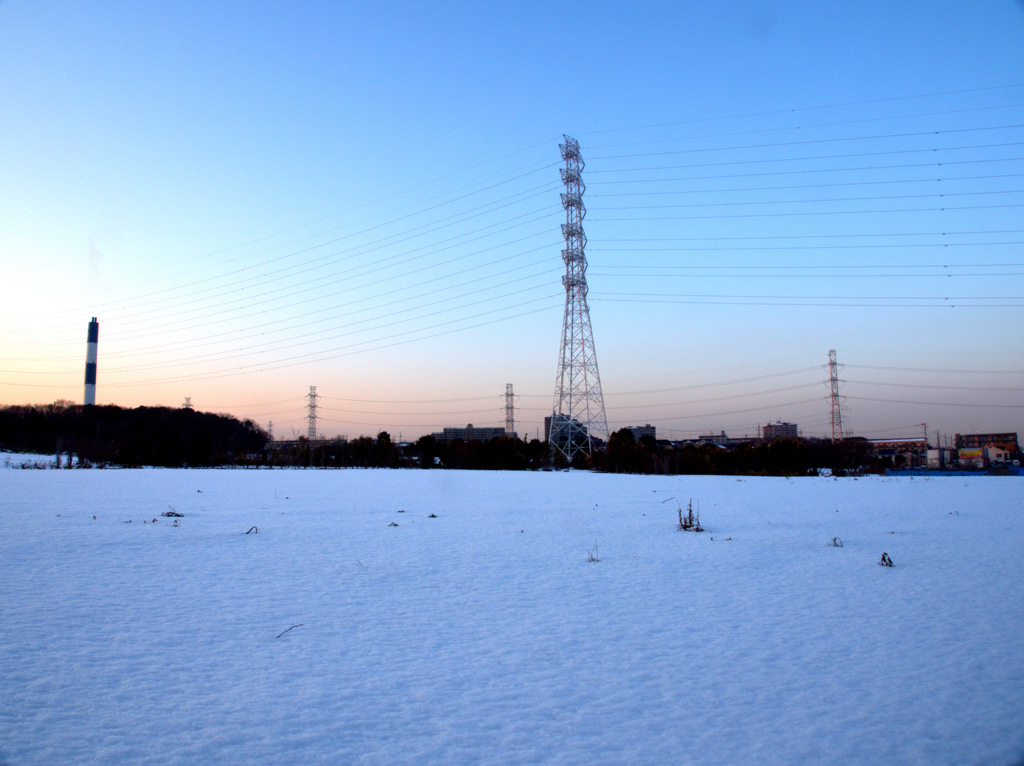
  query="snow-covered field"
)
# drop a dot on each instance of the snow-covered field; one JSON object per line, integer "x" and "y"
{"x": 485, "y": 635}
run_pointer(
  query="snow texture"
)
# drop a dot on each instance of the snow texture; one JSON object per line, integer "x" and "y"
{"x": 35, "y": 461}
{"x": 329, "y": 635}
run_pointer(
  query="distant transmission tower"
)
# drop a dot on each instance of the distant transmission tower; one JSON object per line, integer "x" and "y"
{"x": 311, "y": 417}
{"x": 837, "y": 411}
{"x": 188, "y": 403}
{"x": 578, "y": 412}
{"x": 510, "y": 412}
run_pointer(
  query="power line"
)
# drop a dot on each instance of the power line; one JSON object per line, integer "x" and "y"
{"x": 764, "y": 248}
{"x": 733, "y": 382}
{"x": 890, "y": 152}
{"x": 937, "y": 195}
{"x": 788, "y": 187}
{"x": 409, "y": 401}
{"x": 809, "y": 126}
{"x": 794, "y": 110}
{"x": 306, "y": 313}
{"x": 293, "y": 342}
{"x": 322, "y": 244}
{"x": 939, "y": 404}
{"x": 347, "y": 311}
{"x": 802, "y": 171}
{"x": 273, "y": 278}
{"x": 692, "y": 402}
{"x": 959, "y": 371}
{"x": 881, "y": 211}
{"x": 517, "y": 176}
{"x": 1015, "y": 389}
{"x": 725, "y": 301}
{"x": 818, "y": 236}
{"x": 760, "y": 408}
{"x": 332, "y": 354}
{"x": 165, "y": 294}
{"x": 696, "y": 272}
{"x": 807, "y": 142}
{"x": 333, "y": 313}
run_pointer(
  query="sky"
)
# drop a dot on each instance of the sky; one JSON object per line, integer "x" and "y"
{"x": 364, "y": 198}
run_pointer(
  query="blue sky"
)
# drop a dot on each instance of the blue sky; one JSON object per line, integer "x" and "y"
{"x": 257, "y": 198}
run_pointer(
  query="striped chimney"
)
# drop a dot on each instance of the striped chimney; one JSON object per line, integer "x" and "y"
{"x": 90, "y": 361}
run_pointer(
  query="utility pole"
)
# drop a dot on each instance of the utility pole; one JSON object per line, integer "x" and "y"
{"x": 578, "y": 412}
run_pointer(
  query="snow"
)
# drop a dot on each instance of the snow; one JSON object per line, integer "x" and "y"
{"x": 484, "y": 635}
{"x": 32, "y": 460}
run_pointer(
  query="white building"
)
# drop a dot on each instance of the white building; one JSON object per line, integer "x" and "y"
{"x": 779, "y": 430}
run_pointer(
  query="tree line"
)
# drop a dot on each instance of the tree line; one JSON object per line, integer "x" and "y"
{"x": 500, "y": 454}
{"x": 140, "y": 436}
{"x": 622, "y": 454}
{"x": 780, "y": 457}
{"x": 176, "y": 437}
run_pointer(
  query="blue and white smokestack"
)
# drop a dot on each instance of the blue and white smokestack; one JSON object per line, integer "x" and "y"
{"x": 90, "y": 361}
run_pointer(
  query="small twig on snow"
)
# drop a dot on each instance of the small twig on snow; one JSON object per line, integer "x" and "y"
{"x": 291, "y": 628}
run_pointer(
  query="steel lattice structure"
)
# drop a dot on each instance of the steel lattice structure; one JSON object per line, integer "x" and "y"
{"x": 837, "y": 412}
{"x": 578, "y": 412}
{"x": 510, "y": 412}
{"x": 311, "y": 408}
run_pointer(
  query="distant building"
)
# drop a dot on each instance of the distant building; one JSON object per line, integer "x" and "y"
{"x": 940, "y": 458}
{"x": 1006, "y": 441}
{"x": 995, "y": 456}
{"x": 641, "y": 431}
{"x": 779, "y": 430}
{"x": 570, "y": 428}
{"x": 913, "y": 451}
{"x": 720, "y": 439}
{"x": 971, "y": 457}
{"x": 547, "y": 425}
{"x": 982, "y": 457}
{"x": 469, "y": 434}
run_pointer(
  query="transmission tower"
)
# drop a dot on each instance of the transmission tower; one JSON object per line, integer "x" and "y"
{"x": 311, "y": 416}
{"x": 578, "y": 412}
{"x": 837, "y": 411}
{"x": 510, "y": 412}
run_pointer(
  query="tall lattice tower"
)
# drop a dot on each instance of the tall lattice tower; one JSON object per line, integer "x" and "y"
{"x": 311, "y": 414}
{"x": 578, "y": 412}
{"x": 837, "y": 410}
{"x": 510, "y": 412}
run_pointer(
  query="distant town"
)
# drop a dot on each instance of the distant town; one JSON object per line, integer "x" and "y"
{"x": 110, "y": 436}
{"x": 997, "y": 452}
